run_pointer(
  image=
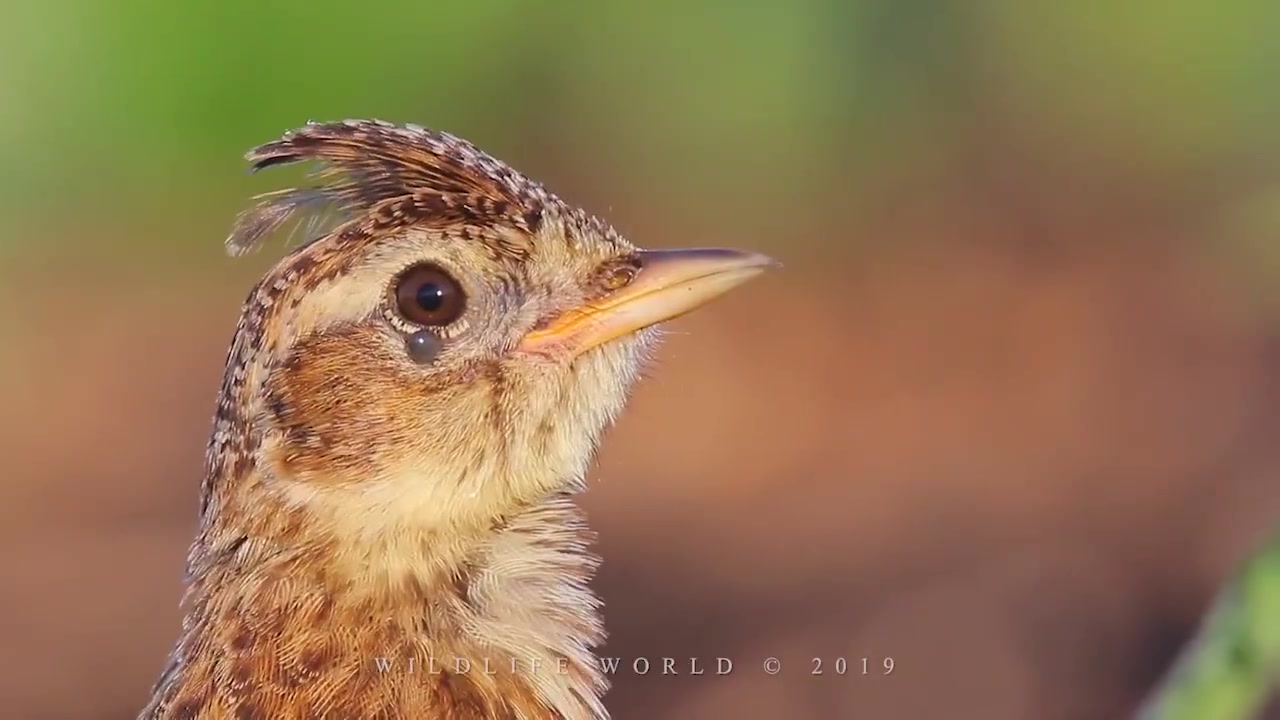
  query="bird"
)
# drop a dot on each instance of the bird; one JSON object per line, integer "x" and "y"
{"x": 412, "y": 398}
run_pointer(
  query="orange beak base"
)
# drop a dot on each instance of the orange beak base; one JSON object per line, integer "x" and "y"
{"x": 669, "y": 284}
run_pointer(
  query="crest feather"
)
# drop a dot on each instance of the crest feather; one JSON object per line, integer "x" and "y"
{"x": 399, "y": 174}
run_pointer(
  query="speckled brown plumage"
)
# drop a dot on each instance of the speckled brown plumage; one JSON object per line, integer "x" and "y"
{"x": 367, "y": 521}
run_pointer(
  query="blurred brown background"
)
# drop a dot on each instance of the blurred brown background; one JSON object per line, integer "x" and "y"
{"x": 1007, "y": 417}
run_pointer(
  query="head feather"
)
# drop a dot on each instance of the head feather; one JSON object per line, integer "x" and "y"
{"x": 392, "y": 175}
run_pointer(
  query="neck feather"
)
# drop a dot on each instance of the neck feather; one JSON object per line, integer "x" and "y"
{"x": 285, "y": 615}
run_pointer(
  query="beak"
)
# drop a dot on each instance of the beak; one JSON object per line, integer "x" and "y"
{"x": 669, "y": 284}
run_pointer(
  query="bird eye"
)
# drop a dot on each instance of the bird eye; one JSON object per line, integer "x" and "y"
{"x": 426, "y": 295}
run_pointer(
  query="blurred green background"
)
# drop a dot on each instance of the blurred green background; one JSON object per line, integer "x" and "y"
{"x": 1007, "y": 417}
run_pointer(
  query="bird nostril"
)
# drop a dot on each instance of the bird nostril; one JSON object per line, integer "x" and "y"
{"x": 618, "y": 278}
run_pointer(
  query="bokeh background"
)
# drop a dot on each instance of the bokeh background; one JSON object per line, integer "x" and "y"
{"x": 1007, "y": 417}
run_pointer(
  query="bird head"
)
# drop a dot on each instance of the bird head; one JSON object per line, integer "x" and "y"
{"x": 450, "y": 350}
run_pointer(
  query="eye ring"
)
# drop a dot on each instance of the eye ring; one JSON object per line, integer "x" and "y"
{"x": 427, "y": 296}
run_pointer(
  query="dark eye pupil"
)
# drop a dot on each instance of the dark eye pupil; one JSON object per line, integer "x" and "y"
{"x": 426, "y": 295}
{"x": 431, "y": 297}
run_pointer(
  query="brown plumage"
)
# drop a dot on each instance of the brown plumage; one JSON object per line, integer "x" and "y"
{"x": 410, "y": 400}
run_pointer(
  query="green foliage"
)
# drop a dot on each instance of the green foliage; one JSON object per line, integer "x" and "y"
{"x": 1232, "y": 666}
{"x": 126, "y": 107}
